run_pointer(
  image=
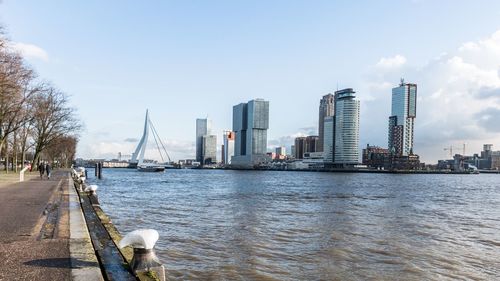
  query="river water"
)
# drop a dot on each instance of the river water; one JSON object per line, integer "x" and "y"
{"x": 271, "y": 225}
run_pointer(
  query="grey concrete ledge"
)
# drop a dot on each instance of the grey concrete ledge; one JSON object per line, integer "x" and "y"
{"x": 84, "y": 263}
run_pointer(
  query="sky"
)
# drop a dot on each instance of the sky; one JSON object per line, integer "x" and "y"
{"x": 184, "y": 60}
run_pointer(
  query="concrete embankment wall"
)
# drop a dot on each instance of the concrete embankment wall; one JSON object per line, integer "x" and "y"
{"x": 114, "y": 262}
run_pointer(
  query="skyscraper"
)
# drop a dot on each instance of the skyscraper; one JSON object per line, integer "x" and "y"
{"x": 311, "y": 144}
{"x": 326, "y": 109}
{"x": 346, "y": 149}
{"x": 300, "y": 144}
{"x": 227, "y": 147}
{"x": 402, "y": 119}
{"x": 203, "y": 127}
{"x": 209, "y": 150}
{"x": 250, "y": 124}
{"x": 305, "y": 145}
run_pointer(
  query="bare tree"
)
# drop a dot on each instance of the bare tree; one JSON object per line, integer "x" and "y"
{"x": 25, "y": 140}
{"x": 52, "y": 119}
{"x": 32, "y": 114}
{"x": 62, "y": 150}
{"x": 15, "y": 90}
{"x": 3, "y": 40}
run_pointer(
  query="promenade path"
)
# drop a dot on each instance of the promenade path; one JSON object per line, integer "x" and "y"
{"x": 34, "y": 229}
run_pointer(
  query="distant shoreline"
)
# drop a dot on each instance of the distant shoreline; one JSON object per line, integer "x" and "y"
{"x": 339, "y": 170}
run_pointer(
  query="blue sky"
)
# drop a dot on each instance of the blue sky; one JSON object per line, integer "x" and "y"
{"x": 189, "y": 59}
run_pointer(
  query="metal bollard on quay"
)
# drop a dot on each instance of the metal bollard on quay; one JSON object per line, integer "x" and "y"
{"x": 144, "y": 259}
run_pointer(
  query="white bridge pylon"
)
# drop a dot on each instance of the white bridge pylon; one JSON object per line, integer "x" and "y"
{"x": 138, "y": 155}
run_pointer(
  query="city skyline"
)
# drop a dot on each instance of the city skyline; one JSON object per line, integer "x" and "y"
{"x": 203, "y": 58}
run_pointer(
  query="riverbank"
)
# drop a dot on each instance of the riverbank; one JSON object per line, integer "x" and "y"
{"x": 338, "y": 170}
{"x": 354, "y": 170}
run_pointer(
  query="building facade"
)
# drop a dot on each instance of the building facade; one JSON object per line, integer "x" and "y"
{"x": 376, "y": 157}
{"x": 311, "y": 144}
{"x": 328, "y": 139}
{"x": 326, "y": 109}
{"x": 203, "y": 128}
{"x": 304, "y": 145}
{"x": 250, "y": 124}
{"x": 299, "y": 147}
{"x": 281, "y": 150}
{"x": 346, "y": 148}
{"x": 227, "y": 147}
{"x": 209, "y": 150}
{"x": 402, "y": 119}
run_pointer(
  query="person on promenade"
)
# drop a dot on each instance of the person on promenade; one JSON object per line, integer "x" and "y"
{"x": 47, "y": 169}
{"x": 41, "y": 169}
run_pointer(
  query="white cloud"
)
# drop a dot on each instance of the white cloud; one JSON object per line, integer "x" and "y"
{"x": 30, "y": 51}
{"x": 484, "y": 53}
{"x": 289, "y": 140}
{"x": 468, "y": 46}
{"x": 391, "y": 62}
{"x": 457, "y": 99}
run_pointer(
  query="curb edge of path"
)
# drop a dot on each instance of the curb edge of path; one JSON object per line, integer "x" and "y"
{"x": 84, "y": 263}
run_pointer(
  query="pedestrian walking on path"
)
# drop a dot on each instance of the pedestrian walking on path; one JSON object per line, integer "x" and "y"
{"x": 48, "y": 170}
{"x": 41, "y": 169}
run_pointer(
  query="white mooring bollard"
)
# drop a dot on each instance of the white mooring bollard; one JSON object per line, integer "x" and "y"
{"x": 92, "y": 188}
{"x": 144, "y": 260}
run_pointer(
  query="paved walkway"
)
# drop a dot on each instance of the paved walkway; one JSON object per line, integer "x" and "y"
{"x": 34, "y": 230}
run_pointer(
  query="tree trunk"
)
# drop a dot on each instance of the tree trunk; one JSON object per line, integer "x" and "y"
{"x": 23, "y": 147}
{"x": 36, "y": 156}
{"x": 1, "y": 146}
{"x": 6, "y": 156}
{"x": 15, "y": 152}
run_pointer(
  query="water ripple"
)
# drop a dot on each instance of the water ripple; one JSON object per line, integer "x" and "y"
{"x": 244, "y": 225}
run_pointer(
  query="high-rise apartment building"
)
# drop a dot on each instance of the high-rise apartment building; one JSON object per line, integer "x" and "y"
{"x": 311, "y": 144}
{"x": 203, "y": 128}
{"x": 402, "y": 119}
{"x": 326, "y": 109}
{"x": 346, "y": 148}
{"x": 250, "y": 124}
{"x": 227, "y": 147}
{"x": 305, "y": 145}
{"x": 299, "y": 147}
{"x": 329, "y": 139}
{"x": 209, "y": 150}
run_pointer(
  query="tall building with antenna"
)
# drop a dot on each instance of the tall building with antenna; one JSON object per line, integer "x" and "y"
{"x": 402, "y": 119}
